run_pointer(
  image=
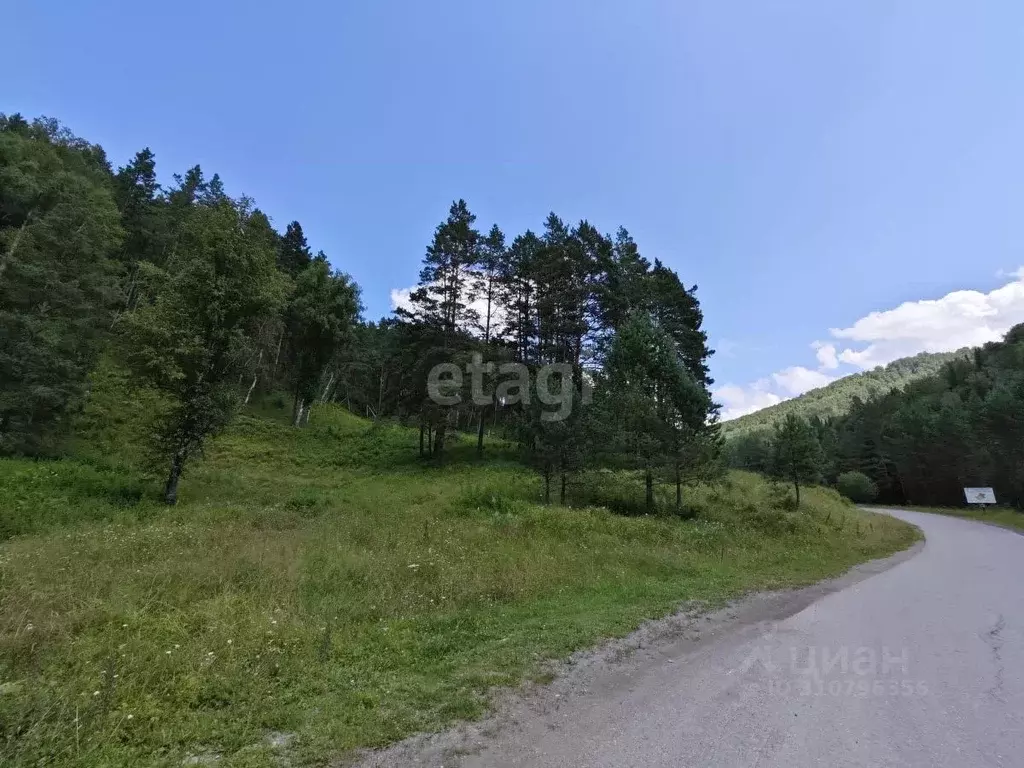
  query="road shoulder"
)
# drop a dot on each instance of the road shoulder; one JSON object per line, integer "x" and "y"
{"x": 616, "y": 664}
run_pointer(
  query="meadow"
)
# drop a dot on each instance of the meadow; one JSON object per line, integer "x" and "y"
{"x": 319, "y": 590}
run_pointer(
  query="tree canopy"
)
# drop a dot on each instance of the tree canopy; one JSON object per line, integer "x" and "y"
{"x": 210, "y": 308}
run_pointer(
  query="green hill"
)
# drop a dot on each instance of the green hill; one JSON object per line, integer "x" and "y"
{"x": 836, "y": 398}
{"x": 324, "y": 584}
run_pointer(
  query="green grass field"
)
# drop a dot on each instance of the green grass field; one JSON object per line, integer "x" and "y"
{"x": 320, "y": 590}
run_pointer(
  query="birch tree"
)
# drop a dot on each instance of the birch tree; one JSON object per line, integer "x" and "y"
{"x": 192, "y": 339}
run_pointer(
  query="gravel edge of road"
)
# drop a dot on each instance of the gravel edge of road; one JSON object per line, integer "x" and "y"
{"x": 606, "y": 666}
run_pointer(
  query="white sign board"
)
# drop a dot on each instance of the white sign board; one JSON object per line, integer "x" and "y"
{"x": 980, "y": 495}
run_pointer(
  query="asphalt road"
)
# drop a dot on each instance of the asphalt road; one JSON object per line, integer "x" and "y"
{"x": 920, "y": 665}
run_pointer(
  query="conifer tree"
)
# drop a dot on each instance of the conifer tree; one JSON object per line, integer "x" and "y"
{"x": 797, "y": 453}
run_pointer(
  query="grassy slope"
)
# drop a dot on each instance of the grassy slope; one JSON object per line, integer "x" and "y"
{"x": 322, "y": 584}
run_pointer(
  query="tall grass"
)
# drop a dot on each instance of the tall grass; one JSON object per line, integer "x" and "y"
{"x": 325, "y": 584}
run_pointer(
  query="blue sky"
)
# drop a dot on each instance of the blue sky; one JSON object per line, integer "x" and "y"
{"x": 806, "y": 163}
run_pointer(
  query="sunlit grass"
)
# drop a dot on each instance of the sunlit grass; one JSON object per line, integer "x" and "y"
{"x": 322, "y": 589}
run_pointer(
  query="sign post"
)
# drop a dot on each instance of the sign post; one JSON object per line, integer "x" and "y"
{"x": 980, "y": 496}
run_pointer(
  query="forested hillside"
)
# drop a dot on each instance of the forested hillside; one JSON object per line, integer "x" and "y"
{"x": 961, "y": 426}
{"x": 241, "y": 525}
{"x": 207, "y": 308}
{"x": 836, "y": 398}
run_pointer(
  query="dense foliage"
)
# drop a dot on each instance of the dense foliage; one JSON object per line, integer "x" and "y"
{"x": 857, "y": 487}
{"x": 962, "y": 426}
{"x": 208, "y": 308}
{"x": 796, "y": 453}
{"x": 835, "y": 399}
{"x": 59, "y": 230}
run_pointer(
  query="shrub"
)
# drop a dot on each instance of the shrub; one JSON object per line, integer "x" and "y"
{"x": 858, "y": 487}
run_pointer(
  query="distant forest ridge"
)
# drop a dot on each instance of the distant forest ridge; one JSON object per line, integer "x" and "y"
{"x": 836, "y": 398}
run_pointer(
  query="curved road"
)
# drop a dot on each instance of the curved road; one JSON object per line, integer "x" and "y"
{"x": 920, "y": 665}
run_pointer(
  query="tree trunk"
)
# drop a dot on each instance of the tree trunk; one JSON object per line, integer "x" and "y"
{"x": 252, "y": 386}
{"x": 796, "y": 485}
{"x": 297, "y": 411}
{"x": 561, "y": 495}
{"x": 129, "y": 294}
{"x": 327, "y": 389}
{"x": 423, "y": 429}
{"x": 649, "y": 484}
{"x": 380, "y": 391}
{"x": 277, "y": 357}
{"x": 171, "y": 487}
{"x": 442, "y": 428}
{"x": 14, "y": 243}
{"x": 430, "y": 439}
{"x": 679, "y": 488}
{"x": 480, "y": 436}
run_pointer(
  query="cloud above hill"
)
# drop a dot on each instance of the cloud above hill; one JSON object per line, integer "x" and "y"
{"x": 958, "y": 319}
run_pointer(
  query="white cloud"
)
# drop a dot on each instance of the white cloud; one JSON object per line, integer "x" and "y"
{"x": 739, "y": 401}
{"x": 797, "y": 380}
{"x": 826, "y": 354}
{"x": 1017, "y": 273}
{"x": 958, "y": 319}
{"x": 400, "y": 298}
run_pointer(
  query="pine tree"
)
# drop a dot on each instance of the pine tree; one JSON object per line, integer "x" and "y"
{"x": 490, "y": 259}
{"x": 623, "y": 287}
{"x": 293, "y": 255}
{"x": 137, "y": 192}
{"x": 440, "y": 306}
{"x": 797, "y": 456}
{"x": 678, "y": 312}
{"x": 486, "y": 276}
{"x": 657, "y": 407}
{"x": 517, "y": 295}
{"x": 442, "y": 298}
